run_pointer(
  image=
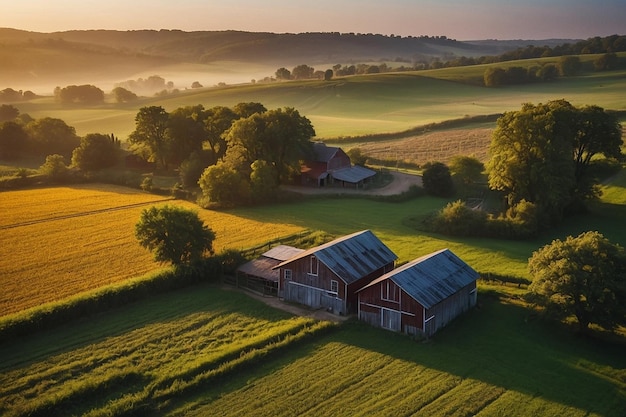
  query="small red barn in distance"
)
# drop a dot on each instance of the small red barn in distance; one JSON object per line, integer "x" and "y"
{"x": 421, "y": 296}
{"x": 327, "y": 276}
{"x": 332, "y": 165}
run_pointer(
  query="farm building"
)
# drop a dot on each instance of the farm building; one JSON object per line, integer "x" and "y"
{"x": 421, "y": 296}
{"x": 328, "y": 276}
{"x": 333, "y": 166}
{"x": 259, "y": 275}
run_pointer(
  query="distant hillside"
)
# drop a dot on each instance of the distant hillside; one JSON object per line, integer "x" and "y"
{"x": 60, "y": 58}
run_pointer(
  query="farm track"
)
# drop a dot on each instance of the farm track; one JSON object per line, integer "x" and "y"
{"x": 82, "y": 214}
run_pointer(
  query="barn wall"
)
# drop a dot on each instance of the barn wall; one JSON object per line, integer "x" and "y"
{"x": 352, "y": 297}
{"x": 340, "y": 160}
{"x": 445, "y": 311}
{"x": 312, "y": 290}
{"x": 300, "y": 274}
{"x": 373, "y": 309}
{"x": 413, "y": 315}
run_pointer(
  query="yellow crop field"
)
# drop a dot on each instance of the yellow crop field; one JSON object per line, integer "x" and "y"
{"x": 57, "y": 242}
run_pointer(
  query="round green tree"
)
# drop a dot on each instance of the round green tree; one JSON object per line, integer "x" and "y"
{"x": 175, "y": 235}
{"x": 582, "y": 276}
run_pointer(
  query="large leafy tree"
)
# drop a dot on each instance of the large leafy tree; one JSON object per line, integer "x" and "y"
{"x": 51, "y": 136}
{"x": 186, "y": 132}
{"x": 175, "y": 235}
{"x": 13, "y": 139}
{"x": 583, "y": 276}
{"x": 540, "y": 153}
{"x": 217, "y": 121}
{"x": 282, "y": 137}
{"x": 597, "y": 132}
{"x": 96, "y": 151}
{"x": 150, "y": 133}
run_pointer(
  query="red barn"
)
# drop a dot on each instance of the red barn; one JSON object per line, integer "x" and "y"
{"x": 332, "y": 165}
{"x": 328, "y": 276}
{"x": 419, "y": 297}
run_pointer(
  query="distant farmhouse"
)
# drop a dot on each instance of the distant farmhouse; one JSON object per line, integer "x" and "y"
{"x": 328, "y": 276}
{"x": 420, "y": 297}
{"x": 356, "y": 274}
{"x": 332, "y": 166}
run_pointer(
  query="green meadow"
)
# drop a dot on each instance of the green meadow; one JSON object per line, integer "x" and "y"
{"x": 358, "y": 105}
{"x": 209, "y": 351}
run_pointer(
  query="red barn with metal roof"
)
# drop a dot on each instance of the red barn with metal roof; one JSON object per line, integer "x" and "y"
{"x": 327, "y": 276}
{"x": 421, "y": 296}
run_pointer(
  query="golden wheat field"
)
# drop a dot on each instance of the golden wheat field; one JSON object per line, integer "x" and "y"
{"x": 60, "y": 241}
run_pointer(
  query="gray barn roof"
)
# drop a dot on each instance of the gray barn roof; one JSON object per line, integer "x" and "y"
{"x": 431, "y": 278}
{"x": 351, "y": 257}
{"x": 353, "y": 174}
{"x": 262, "y": 267}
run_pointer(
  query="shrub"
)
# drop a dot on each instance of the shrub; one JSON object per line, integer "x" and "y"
{"x": 457, "y": 219}
{"x": 437, "y": 179}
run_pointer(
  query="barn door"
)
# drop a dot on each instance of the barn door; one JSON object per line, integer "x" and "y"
{"x": 390, "y": 319}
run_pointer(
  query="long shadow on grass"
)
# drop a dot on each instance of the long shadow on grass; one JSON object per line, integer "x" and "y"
{"x": 502, "y": 345}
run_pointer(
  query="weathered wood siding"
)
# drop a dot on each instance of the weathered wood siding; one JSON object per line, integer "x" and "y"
{"x": 443, "y": 313}
{"x": 322, "y": 284}
{"x": 396, "y": 311}
{"x": 339, "y": 161}
{"x": 413, "y": 318}
{"x": 311, "y": 289}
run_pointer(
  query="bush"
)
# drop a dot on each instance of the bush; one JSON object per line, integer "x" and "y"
{"x": 457, "y": 219}
{"x": 437, "y": 179}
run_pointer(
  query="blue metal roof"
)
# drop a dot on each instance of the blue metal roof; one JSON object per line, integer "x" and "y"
{"x": 351, "y": 257}
{"x": 431, "y": 278}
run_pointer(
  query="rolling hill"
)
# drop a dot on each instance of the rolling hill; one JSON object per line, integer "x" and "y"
{"x": 41, "y": 61}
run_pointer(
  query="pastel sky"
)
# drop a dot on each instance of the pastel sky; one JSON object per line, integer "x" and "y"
{"x": 457, "y": 19}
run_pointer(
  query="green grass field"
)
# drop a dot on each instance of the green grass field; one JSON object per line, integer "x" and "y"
{"x": 358, "y": 105}
{"x": 206, "y": 351}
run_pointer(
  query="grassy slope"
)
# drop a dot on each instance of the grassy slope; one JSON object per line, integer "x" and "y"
{"x": 358, "y": 105}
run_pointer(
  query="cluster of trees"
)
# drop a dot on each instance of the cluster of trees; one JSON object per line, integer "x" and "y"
{"x": 543, "y": 161}
{"x": 595, "y": 45}
{"x": 302, "y": 72}
{"x": 9, "y": 95}
{"x": 21, "y": 135}
{"x": 83, "y": 94}
{"x": 544, "y": 154}
{"x": 566, "y": 66}
{"x": 147, "y": 86}
{"x": 237, "y": 155}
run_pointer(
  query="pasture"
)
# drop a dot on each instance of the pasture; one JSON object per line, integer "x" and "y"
{"x": 208, "y": 351}
{"x": 357, "y": 105}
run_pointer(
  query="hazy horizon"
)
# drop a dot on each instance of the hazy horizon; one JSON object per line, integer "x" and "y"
{"x": 456, "y": 19}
